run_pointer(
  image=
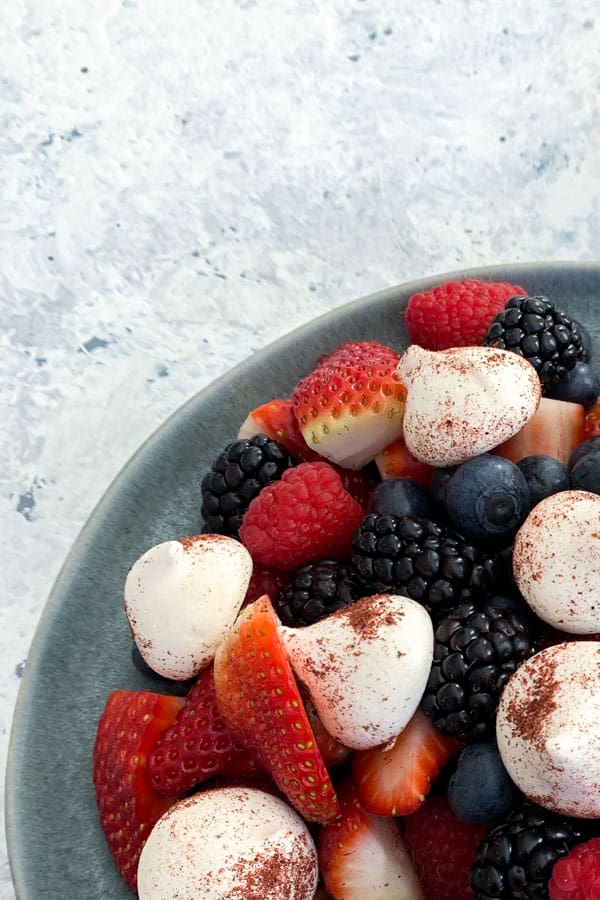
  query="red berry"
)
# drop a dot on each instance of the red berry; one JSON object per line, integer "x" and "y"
{"x": 456, "y": 313}
{"x": 395, "y": 779}
{"x": 304, "y": 516}
{"x": 259, "y": 699}
{"x": 198, "y": 745}
{"x": 443, "y": 849}
{"x": 396, "y": 461}
{"x": 265, "y": 580}
{"x": 128, "y": 728}
{"x": 351, "y": 405}
{"x": 591, "y": 421}
{"x": 576, "y": 876}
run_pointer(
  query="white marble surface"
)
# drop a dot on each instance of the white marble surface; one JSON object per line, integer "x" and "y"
{"x": 182, "y": 183}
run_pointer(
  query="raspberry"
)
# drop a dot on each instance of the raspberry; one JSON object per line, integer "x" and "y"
{"x": 305, "y": 516}
{"x": 577, "y": 875}
{"x": 443, "y": 849}
{"x": 456, "y": 313}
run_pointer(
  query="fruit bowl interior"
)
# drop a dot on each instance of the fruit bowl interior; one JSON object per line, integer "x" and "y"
{"x": 81, "y": 650}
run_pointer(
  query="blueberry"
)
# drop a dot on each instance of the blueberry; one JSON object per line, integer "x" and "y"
{"x": 591, "y": 445}
{"x": 481, "y": 790}
{"x": 585, "y": 474}
{"x": 487, "y": 497}
{"x": 400, "y": 497}
{"x": 545, "y": 475}
{"x": 580, "y": 384}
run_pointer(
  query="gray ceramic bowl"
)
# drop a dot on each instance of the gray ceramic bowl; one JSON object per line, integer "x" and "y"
{"x": 81, "y": 650}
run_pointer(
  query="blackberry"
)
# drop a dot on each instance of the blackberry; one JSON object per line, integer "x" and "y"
{"x": 237, "y": 476}
{"x": 476, "y": 650}
{"x": 517, "y": 856}
{"x": 545, "y": 336}
{"x": 417, "y": 557}
{"x": 316, "y": 590}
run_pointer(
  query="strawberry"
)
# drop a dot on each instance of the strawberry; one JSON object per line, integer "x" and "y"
{"x": 128, "y": 729}
{"x": 456, "y": 313}
{"x": 591, "y": 421}
{"x": 276, "y": 418}
{"x": 554, "y": 430}
{"x": 304, "y": 516}
{"x": 443, "y": 849}
{"x": 351, "y": 405}
{"x": 259, "y": 699}
{"x": 394, "y": 780}
{"x": 362, "y": 856}
{"x": 197, "y": 746}
{"x": 332, "y": 751}
{"x": 396, "y": 461}
{"x": 359, "y": 353}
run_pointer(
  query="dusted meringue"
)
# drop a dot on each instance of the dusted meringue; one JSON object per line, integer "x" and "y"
{"x": 556, "y": 561}
{"x": 365, "y": 667}
{"x": 229, "y": 842}
{"x": 181, "y": 597}
{"x": 464, "y": 401}
{"x": 548, "y": 728}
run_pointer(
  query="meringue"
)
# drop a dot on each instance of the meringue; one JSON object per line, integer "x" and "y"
{"x": 365, "y": 667}
{"x": 180, "y": 599}
{"x": 548, "y": 728}
{"x": 464, "y": 401}
{"x": 229, "y": 842}
{"x": 556, "y": 561}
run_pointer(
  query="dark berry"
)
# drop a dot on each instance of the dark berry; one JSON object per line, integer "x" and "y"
{"x": 237, "y": 476}
{"x": 400, "y": 497}
{"x": 487, "y": 497}
{"x": 439, "y": 483}
{"x": 544, "y": 335}
{"x": 476, "y": 650}
{"x": 580, "y": 384}
{"x": 585, "y": 474}
{"x": 545, "y": 475}
{"x": 316, "y": 590}
{"x": 586, "y": 339}
{"x": 481, "y": 790}
{"x": 592, "y": 445}
{"x": 416, "y": 557}
{"x": 517, "y": 856}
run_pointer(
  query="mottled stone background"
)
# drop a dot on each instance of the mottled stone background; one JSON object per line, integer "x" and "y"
{"x": 183, "y": 182}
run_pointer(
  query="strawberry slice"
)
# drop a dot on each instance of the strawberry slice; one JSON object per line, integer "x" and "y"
{"x": 332, "y": 751}
{"x": 396, "y": 461}
{"x": 351, "y": 406}
{"x": 394, "y": 780}
{"x": 363, "y": 856}
{"x": 555, "y": 429}
{"x": 259, "y": 699}
{"x": 276, "y": 418}
{"x": 128, "y": 728}
{"x": 198, "y": 745}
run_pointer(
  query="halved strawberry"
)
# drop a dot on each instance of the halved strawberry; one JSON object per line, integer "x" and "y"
{"x": 591, "y": 422}
{"x": 198, "y": 745}
{"x": 128, "y": 728}
{"x": 555, "y": 429}
{"x": 363, "y": 856}
{"x": 332, "y": 751}
{"x": 276, "y": 418}
{"x": 351, "y": 405}
{"x": 394, "y": 780}
{"x": 259, "y": 699}
{"x": 396, "y": 461}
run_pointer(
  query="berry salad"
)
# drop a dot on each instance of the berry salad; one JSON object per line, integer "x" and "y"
{"x": 376, "y": 669}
